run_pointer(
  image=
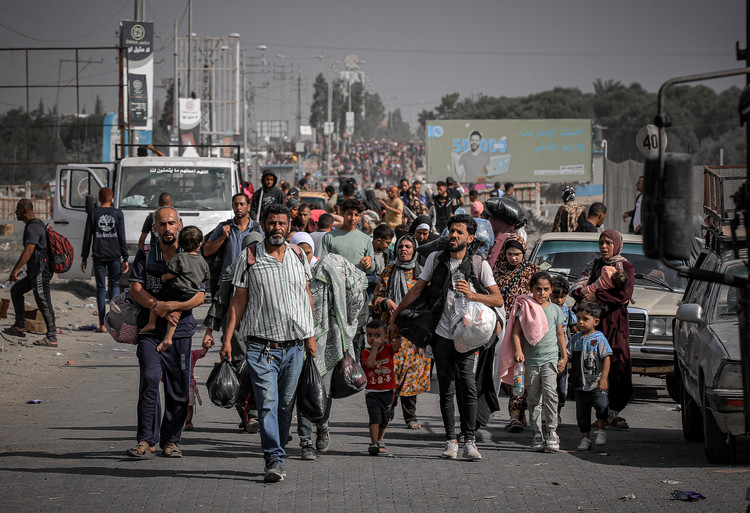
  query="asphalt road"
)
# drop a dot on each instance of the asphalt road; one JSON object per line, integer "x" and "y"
{"x": 67, "y": 454}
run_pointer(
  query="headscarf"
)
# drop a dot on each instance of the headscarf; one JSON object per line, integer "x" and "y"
{"x": 304, "y": 238}
{"x": 420, "y": 219}
{"x": 513, "y": 281}
{"x": 568, "y": 193}
{"x": 615, "y": 261}
{"x": 397, "y": 284}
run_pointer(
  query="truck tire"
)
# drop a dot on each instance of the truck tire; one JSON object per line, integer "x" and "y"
{"x": 692, "y": 421}
{"x": 719, "y": 446}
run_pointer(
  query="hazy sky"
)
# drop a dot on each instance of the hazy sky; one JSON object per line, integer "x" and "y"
{"x": 417, "y": 50}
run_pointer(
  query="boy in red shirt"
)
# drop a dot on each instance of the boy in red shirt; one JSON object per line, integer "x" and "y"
{"x": 381, "y": 382}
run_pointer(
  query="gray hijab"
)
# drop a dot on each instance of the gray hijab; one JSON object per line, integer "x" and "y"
{"x": 397, "y": 285}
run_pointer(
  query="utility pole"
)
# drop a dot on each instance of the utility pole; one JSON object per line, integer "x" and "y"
{"x": 190, "y": 46}
{"x": 299, "y": 100}
{"x": 175, "y": 88}
{"x": 330, "y": 110}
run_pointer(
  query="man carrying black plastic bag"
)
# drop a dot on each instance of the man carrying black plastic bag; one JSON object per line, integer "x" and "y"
{"x": 272, "y": 279}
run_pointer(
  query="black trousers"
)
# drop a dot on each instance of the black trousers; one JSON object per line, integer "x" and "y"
{"x": 456, "y": 373}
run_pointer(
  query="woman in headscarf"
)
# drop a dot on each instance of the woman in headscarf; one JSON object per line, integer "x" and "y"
{"x": 614, "y": 321}
{"x": 512, "y": 273}
{"x": 570, "y": 212}
{"x": 306, "y": 244}
{"x": 411, "y": 365}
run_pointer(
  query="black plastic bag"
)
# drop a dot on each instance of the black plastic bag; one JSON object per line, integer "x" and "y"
{"x": 311, "y": 392}
{"x": 416, "y": 323}
{"x": 242, "y": 369}
{"x": 506, "y": 210}
{"x": 348, "y": 378}
{"x": 223, "y": 385}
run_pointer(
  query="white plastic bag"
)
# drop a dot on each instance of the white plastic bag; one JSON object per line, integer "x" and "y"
{"x": 473, "y": 327}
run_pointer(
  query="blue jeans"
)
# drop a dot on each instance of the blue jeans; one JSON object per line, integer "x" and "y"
{"x": 274, "y": 374}
{"x": 101, "y": 270}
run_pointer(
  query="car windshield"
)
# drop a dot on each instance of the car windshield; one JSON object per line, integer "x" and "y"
{"x": 725, "y": 309}
{"x": 191, "y": 187}
{"x": 570, "y": 257}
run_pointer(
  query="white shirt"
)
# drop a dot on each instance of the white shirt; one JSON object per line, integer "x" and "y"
{"x": 637, "y": 213}
{"x": 486, "y": 278}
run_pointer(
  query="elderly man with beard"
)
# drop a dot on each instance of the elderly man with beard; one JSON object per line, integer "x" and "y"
{"x": 172, "y": 365}
{"x": 272, "y": 282}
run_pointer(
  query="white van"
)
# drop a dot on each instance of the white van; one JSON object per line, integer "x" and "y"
{"x": 202, "y": 189}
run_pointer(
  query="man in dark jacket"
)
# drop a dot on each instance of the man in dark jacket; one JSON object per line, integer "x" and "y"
{"x": 268, "y": 195}
{"x": 105, "y": 226}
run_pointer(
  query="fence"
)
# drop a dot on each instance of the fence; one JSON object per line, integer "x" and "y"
{"x": 42, "y": 196}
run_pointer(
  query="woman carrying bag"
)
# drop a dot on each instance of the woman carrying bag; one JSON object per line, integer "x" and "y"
{"x": 411, "y": 365}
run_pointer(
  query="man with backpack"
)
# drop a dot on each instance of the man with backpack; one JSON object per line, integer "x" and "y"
{"x": 225, "y": 242}
{"x": 38, "y": 276}
{"x": 456, "y": 371}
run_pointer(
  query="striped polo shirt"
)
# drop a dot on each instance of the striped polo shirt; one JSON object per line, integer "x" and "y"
{"x": 278, "y": 306}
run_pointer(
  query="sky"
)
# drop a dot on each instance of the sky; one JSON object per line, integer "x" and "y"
{"x": 414, "y": 51}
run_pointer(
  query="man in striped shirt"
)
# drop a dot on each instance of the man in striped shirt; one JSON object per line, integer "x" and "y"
{"x": 277, "y": 328}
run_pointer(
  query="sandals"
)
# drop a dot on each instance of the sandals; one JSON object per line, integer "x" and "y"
{"x": 142, "y": 450}
{"x": 46, "y": 342}
{"x": 171, "y": 450}
{"x": 14, "y": 332}
{"x": 377, "y": 449}
{"x": 514, "y": 426}
{"x": 413, "y": 424}
{"x": 618, "y": 423}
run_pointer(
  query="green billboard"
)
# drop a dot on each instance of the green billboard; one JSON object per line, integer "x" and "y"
{"x": 518, "y": 150}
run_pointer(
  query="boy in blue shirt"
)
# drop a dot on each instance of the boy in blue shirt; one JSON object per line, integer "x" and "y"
{"x": 591, "y": 360}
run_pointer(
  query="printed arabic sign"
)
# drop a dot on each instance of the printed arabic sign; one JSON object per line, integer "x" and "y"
{"x": 524, "y": 150}
{"x": 138, "y": 38}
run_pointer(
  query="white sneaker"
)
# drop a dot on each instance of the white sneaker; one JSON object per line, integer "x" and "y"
{"x": 585, "y": 444}
{"x": 553, "y": 442}
{"x": 470, "y": 451}
{"x": 538, "y": 443}
{"x": 600, "y": 437}
{"x": 451, "y": 450}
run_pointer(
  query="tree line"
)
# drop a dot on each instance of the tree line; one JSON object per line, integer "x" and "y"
{"x": 703, "y": 120}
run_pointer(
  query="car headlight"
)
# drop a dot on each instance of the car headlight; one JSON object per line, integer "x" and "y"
{"x": 660, "y": 326}
{"x": 730, "y": 376}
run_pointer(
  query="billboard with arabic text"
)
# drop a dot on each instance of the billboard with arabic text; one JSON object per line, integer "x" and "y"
{"x": 517, "y": 150}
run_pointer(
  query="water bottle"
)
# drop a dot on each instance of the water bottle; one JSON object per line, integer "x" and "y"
{"x": 8, "y": 283}
{"x": 460, "y": 303}
{"x": 518, "y": 379}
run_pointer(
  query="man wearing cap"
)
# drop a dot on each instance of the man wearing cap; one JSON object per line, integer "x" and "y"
{"x": 455, "y": 191}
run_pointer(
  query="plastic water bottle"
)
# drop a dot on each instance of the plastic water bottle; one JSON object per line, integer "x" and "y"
{"x": 460, "y": 303}
{"x": 518, "y": 379}
{"x": 8, "y": 283}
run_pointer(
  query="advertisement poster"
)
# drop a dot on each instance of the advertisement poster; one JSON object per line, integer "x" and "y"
{"x": 190, "y": 125}
{"x": 138, "y": 38}
{"x": 522, "y": 150}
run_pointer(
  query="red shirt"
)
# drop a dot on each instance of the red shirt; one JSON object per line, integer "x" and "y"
{"x": 382, "y": 375}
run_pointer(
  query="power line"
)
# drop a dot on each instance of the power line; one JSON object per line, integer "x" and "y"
{"x": 515, "y": 53}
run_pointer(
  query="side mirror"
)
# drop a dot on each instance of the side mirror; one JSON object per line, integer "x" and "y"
{"x": 667, "y": 215}
{"x": 690, "y": 312}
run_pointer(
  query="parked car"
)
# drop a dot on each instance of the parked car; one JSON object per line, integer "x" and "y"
{"x": 707, "y": 359}
{"x": 656, "y": 294}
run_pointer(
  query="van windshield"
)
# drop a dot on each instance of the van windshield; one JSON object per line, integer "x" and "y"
{"x": 199, "y": 188}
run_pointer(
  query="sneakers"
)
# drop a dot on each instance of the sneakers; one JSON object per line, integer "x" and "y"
{"x": 308, "y": 453}
{"x": 274, "y": 473}
{"x": 538, "y": 443}
{"x": 600, "y": 437}
{"x": 252, "y": 426}
{"x": 322, "y": 440}
{"x": 374, "y": 449}
{"x": 585, "y": 444}
{"x": 553, "y": 442}
{"x": 451, "y": 450}
{"x": 470, "y": 451}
